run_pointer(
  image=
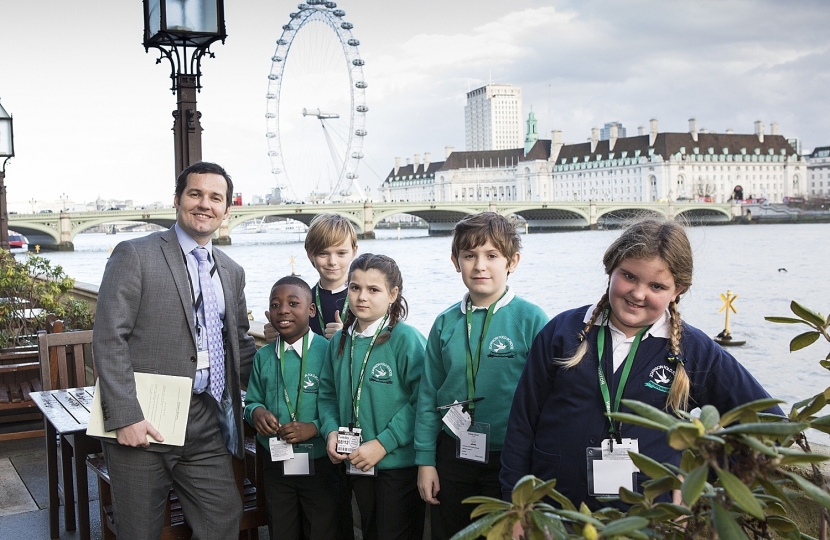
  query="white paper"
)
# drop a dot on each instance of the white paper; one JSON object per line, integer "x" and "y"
{"x": 164, "y": 401}
{"x": 620, "y": 451}
{"x": 297, "y": 465}
{"x": 473, "y": 446}
{"x": 610, "y": 475}
{"x": 202, "y": 360}
{"x": 347, "y": 440}
{"x": 280, "y": 450}
{"x": 351, "y": 469}
{"x": 457, "y": 420}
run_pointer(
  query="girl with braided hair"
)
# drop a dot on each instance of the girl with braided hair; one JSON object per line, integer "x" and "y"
{"x": 368, "y": 392}
{"x": 632, "y": 344}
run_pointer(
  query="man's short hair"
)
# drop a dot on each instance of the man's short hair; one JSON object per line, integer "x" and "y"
{"x": 475, "y": 230}
{"x": 328, "y": 230}
{"x": 204, "y": 167}
{"x": 297, "y": 282}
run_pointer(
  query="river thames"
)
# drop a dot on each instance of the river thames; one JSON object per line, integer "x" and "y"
{"x": 765, "y": 265}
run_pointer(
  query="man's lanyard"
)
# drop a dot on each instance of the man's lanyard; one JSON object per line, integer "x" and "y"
{"x": 357, "y": 391}
{"x": 281, "y": 360}
{"x": 603, "y": 384}
{"x": 474, "y": 362}
{"x": 320, "y": 308}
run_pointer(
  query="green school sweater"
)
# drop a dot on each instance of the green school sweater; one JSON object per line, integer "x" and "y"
{"x": 389, "y": 395}
{"x": 265, "y": 387}
{"x": 513, "y": 328}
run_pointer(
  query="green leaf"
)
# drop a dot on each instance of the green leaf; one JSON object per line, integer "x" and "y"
{"x": 766, "y": 428}
{"x": 563, "y": 501}
{"x": 816, "y": 404}
{"x": 579, "y": 517}
{"x": 682, "y": 436}
{"x": 757, "y": 445}
{"x": 757, "y": 405}
{"x": 818, "y": 494}
{"x": 524, "y": 490}
{"x": 655, "y": 488}
{"x": 727, "y": 527}
{"x": 489, "y": 508}
{"x": 803, "y": 340}
{"x": 631, "y": 497}
{"x": 649, "y": 467}
{"x": 635, "y": 420}
{"x": 773, "y": 488}
{"x": 709, "y": 416}
{"x": 689, "y": 461}
{"x": 652, "y": 413}
{"x": 693, "y": 485}
{"x": 781, "y": 524}
{"x": 477, "y": 528}
{"x": 803, "y": 458}
{"x": 623, "y": 526}
{"x": 807, "y": 314}
{"x": 502, "y": 529}
{"x": 784, "y": 320}
{"x": 825, "y": 364}
{"x": 543, "y": 490}
{"x": 549, "y": 525}
{"x": 740, "y": 493}
{"x": 820, "y": 421}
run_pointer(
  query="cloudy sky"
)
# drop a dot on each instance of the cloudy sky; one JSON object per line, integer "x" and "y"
{"x": 92, "y": 111}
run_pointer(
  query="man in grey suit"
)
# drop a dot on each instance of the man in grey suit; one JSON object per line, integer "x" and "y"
{"x": 153, "y": 316}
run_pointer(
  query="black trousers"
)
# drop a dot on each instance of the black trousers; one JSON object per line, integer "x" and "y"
{"x": 390, "y": 505}
{"x": 459, "y": 479}
{"x": 301, "y": 507}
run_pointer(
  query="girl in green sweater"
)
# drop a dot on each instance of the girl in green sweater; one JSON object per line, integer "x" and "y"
{"x": 368, "y": 392}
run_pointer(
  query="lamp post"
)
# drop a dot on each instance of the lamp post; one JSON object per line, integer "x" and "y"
{"x": 6, "y": 153}
{"x": 182, "y": 31}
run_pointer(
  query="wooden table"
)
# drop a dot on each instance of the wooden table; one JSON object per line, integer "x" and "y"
{"x": 66, "y": 413}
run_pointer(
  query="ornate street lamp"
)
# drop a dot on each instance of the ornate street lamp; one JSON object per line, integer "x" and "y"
{"x": 182, "y": 31}
{"x": 6, "y": 153}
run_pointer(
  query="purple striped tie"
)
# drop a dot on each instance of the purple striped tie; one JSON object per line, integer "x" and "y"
{"x": 213, "y": 327}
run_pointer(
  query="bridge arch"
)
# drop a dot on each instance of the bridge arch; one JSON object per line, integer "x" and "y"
{"x": 303, "y": 215}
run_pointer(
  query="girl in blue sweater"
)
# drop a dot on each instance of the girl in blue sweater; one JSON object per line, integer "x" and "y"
{"x": 632, "y": 344}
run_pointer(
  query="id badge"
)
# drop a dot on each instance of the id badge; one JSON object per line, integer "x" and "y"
{"x": 474, "y": 443}
{"x": 347, "y": 440}
{"x": 611, "y": 468}
{"x": 352, "y": 470}
{"x": 202, "y": 360}
{"x": 301, "y": 464}
{"x": 280, "y": 450}
{"x": 457, "y": 419}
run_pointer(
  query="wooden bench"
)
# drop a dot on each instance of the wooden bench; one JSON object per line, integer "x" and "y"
{"x": 19, "y": 376}
{"x": 175, "y": 527}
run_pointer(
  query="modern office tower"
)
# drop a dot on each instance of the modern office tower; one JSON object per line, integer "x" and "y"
{"x": 493, "y": 118}
{"x": 605, "y": 133}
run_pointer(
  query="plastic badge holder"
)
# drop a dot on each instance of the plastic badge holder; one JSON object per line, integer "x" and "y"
{"x": 606, "y": 477}
{"x": 354, "y": 471}
{"x": 474, "y": 444}
{"x": 302, "y": 463}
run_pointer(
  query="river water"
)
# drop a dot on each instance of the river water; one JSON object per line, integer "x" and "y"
{"x": 766, "y": 265}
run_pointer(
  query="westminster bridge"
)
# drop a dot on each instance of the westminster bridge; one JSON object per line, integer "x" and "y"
{"x": 56, "y": 231}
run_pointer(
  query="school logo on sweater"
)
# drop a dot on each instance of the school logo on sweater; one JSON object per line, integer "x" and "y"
{"x": 311, "y": 383}
{"x": 501, "y": 347}
{"x": 660, "y": 378}
{"x": 381, "y": 373}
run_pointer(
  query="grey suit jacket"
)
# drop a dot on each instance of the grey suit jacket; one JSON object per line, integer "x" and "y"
{"x": 144, "y": 322}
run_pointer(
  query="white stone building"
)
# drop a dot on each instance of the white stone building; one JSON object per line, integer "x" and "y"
{"x": 493, "y": 118}
{"x": 652, "y": 166}
{"x": 818, "y": 173}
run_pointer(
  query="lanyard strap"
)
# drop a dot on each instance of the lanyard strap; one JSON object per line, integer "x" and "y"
{"x": 474, "y": 362}
{"x": 603, "y": 383}
{"x": 356, "y": 392}
{"x": 281, "y": 360}
{"x": 320, "y": 308}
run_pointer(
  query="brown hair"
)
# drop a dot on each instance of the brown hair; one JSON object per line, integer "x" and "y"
{"x": 476, "y": 230}
{"x": 647, "y": 239}
{"x": 328, "y": 230}
{"x": 399, "y": 308}
{"x": 204, "y": 167}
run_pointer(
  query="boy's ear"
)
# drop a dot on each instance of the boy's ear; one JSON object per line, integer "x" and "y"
{"x": 454, "y": 260}
{"x": 312, "y": 309}
{"x": 513, "y": 263}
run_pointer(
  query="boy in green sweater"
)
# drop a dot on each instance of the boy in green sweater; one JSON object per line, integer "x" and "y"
{"x": 281, "y": 404}
{"x": 474, "y": 357}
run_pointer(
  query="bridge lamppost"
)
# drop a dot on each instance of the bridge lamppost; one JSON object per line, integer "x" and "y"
{"x": 6, "y": 153}
{"x": 182, "y": 31}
